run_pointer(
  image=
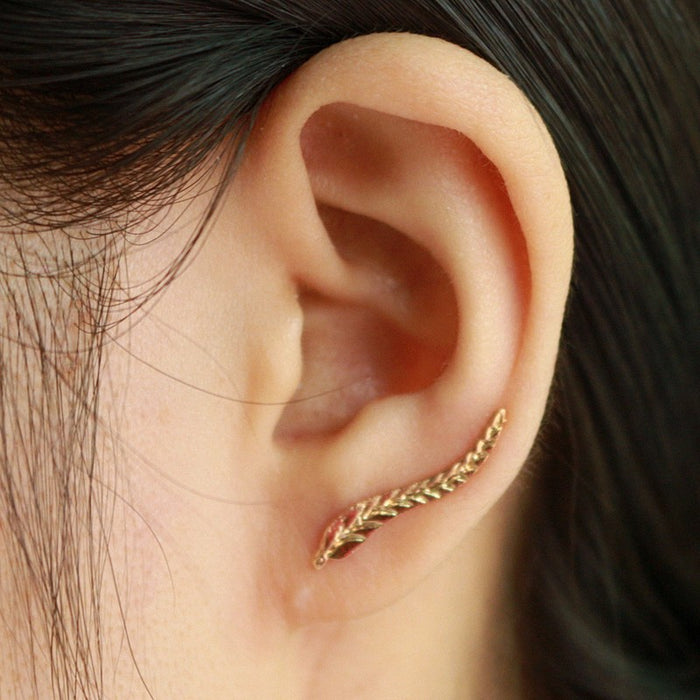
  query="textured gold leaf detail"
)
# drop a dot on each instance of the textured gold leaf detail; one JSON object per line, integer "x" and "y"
{"x": 352, "y": 527}
{"x": 372, "y": 524}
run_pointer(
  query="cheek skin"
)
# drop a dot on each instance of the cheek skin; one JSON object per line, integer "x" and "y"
{"x": 185, "y": 420}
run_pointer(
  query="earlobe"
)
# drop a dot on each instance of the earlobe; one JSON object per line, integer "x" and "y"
{"x": 429, "y": 242}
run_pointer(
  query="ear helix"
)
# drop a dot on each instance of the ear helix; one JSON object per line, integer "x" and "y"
{"x": 354, "y": 525}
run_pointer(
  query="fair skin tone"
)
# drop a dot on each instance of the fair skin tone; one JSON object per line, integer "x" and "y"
{"x": 398, "y": 237}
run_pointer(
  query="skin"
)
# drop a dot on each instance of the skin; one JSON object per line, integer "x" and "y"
{"x": 399, "y": 237}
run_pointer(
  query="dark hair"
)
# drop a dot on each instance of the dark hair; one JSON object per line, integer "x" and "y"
{"x": 109, "y": 106}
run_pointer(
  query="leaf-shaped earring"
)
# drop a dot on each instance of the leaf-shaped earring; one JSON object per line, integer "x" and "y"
{"x": 355, "y": 524}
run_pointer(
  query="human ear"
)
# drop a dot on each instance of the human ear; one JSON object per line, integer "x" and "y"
{"x": 417, "y": 210}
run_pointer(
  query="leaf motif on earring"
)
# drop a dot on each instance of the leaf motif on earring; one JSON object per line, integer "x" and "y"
{"x": 355, "y": 524}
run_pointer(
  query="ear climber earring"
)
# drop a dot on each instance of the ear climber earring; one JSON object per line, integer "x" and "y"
{"x": 355, "y": 524}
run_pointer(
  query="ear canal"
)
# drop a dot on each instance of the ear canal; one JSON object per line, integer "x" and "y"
{"x": 390, "y": 326}
{"x": 352, "y": 355}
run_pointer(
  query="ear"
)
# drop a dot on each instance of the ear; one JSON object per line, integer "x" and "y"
{"x": 417, "y": 206}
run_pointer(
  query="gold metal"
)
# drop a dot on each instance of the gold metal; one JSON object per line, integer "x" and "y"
{"x": 355, "y": 524}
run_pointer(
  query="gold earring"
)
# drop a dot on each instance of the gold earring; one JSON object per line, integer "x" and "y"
{"x": 355, "y": 524}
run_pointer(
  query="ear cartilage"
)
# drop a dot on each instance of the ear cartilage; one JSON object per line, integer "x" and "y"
{"x": 355, "y": 524}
